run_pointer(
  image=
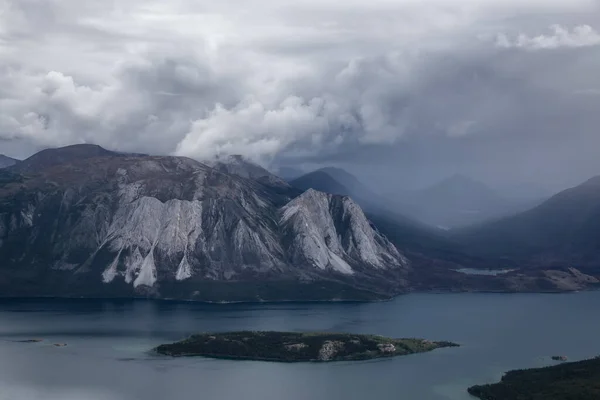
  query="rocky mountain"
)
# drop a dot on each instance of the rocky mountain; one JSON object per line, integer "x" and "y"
{"x": 84, "y": 221}
{"x": 238, "y": 165}
{"x": 6, "y": 161}
{"x": 562, "y": 231}
{"x": 338, "y": 181}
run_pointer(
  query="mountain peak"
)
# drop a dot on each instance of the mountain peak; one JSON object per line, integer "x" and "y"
{"x": 54, "y": 156}
{"x": 315, "y": 219}
{"x": 345, "y": 178}
{"x": 237, "y": 164}
{"x": 321, "y": 181}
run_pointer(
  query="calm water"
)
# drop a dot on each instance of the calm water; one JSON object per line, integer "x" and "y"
{"x": 107, "y": 359}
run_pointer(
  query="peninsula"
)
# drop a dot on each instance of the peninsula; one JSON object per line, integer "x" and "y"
{"x": 575, "y": 380}
{"x": 296, "y": 347}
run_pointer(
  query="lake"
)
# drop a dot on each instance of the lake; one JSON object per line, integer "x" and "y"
{"x": 108, "y": 358}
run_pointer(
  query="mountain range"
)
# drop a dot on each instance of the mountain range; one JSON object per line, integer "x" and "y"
{"x": 454, "y": 202}
{"x": 562, "y": 231}
{"x": 85, "y": 221}
{"x": 82, "y": 220}
{"x": 555, "y": 235}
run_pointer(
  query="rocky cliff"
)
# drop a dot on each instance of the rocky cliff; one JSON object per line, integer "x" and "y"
{"x": 84, "y": 221}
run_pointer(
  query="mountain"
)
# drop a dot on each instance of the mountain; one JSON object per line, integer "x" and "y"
{"x": 6, "y": 161}
{"x": 85, "y": 221}
{"x": 238, "y": 165}
{"x": 338, "y": 181}
{"x": 454, "y": 202}
{"x": 52, "y": 157}
{"x": 321, "y": 181}
{"x": 406, "y": 233}
{"x": 289, "y": 173}
{"x": 563, "y": 231}
{"x": 347, "y": 179}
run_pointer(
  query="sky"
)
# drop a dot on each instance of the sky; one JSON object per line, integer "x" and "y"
{"x": 400, "y": 92}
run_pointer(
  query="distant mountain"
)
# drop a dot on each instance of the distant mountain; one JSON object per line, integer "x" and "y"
{"x": 454, "y": 202}
{"x": 321, "y": 181}
{"x": 404, "y": 232}
{"x": 289, "y": 173}
{"x": 564, "y": 231}
{"x": 6, "y": 161}
{"x": 347, "y": 179}
{"x": 240, "y": 166}
{"x": 85, "y": 221}
{"x": 338, "y": 181}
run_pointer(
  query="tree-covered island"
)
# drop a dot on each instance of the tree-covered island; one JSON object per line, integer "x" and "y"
{"x": 296, "y": 347}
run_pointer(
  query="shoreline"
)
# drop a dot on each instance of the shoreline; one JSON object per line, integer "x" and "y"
{"x": 295, "y": 301}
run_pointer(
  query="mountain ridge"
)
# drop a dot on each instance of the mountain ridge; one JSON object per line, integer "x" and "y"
{"x": 93, "y": 221}
{"x": 6, "y": 161}
{"x": 562, "y": 230}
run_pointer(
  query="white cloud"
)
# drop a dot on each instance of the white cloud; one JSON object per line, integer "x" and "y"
{"x": 579, "y": 36}
{"x": 252, "y": 128}
{"x": 201, "y": 77}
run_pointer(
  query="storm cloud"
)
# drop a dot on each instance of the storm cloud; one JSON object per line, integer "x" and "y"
{"x": 410, "y": 89}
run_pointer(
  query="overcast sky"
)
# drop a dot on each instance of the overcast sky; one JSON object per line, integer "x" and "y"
{"x": 398, "y": 91}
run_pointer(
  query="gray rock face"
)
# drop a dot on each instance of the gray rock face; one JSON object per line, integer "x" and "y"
{"x": 107, "y": 224}
{"x": 331, "y": 232}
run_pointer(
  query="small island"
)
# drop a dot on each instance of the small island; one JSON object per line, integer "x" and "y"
{"x": 296, "y": 347}
{"x": 575, "y": 380}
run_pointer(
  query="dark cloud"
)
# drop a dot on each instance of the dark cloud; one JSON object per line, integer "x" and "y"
{"x": 408, "y": 91}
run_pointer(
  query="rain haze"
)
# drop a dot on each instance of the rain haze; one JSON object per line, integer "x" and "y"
{"x": 401, "y": 93}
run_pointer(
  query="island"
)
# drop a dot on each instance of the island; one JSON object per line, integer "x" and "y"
{"x": 296, "y": 347}
{"x": 575, "y": 380}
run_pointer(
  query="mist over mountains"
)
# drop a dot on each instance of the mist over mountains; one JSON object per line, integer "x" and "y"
{"x": 85, "y": 221}
{"x": 456, "y": 201}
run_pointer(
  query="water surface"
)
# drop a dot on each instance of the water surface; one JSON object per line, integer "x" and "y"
{"x": 107, "y": 355}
